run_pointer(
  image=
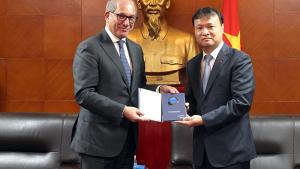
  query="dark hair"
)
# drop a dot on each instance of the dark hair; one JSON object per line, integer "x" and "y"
{"x": 207, "y": 12}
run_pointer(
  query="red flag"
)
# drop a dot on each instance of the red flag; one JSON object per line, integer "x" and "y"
{"x": 232, "y": 35}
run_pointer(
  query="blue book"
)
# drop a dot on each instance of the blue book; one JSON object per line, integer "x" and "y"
{"x": 173, "y": 106}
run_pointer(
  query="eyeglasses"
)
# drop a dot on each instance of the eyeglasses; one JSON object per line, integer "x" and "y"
{"x": 122, "y": 17}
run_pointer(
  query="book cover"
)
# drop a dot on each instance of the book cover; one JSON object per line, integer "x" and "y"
{"x": 173, "y": 106}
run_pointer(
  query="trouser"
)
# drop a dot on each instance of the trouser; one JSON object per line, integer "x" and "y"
{"x": 124, "y": 160}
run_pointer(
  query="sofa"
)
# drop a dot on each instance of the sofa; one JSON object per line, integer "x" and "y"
{"x": 277, "y": 141}
{"x": 41, "y": 141}
{"x": 36, "y": 141}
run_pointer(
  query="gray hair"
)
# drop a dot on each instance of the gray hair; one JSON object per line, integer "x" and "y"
{"x": 111, "y": 6}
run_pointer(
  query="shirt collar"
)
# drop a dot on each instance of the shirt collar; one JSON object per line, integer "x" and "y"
{"x": 112, "y": 36}
{"x": 216, "y": 51}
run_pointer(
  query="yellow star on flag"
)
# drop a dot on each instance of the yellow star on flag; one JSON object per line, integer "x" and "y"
{"x": 232, "y": 33}
{"x": 234, "y": 40}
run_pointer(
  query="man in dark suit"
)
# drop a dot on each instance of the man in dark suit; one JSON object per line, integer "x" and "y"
{"x": 107, "y": 75}
{"x": 220, "y": 93}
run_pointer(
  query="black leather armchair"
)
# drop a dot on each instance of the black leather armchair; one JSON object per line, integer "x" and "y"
{"x": 277, "y": 141}
{"x": 36, "y": 141}
{"x": 297, "y": 142}
{"x": 181, "y": 147}
{"x": 274, "y": 142}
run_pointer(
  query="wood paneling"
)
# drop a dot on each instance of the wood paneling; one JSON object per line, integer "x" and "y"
{"x": 264, "y": 73}
{"x": 57, "y": 41}
{"x": 93, "y": 8}
{"x": 38, "y": 41}
{"x": 61, "y": 106}
{"x": 23, "y": 36}
{"x": 59, "y": 81}
{"x": 257, "y": 28}
{"x": 92, "y": 25}
{"x": 2, "y": 7}
{"x": 45, "y": 7}
{"x": 62, "y": 7}
{"x": 25, "y": 79}
{"x": 288, "y": 6}
{"x": 288, "y": 80}
{"x": 286, "y": 45}
{"x": 2, "y": 79}
{"x": 22, "y": 106}
{"x": 2, "y": 23}
{"x": 24, "y": 7}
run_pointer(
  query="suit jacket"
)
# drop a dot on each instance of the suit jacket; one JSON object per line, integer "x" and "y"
{"x": 226, "y": 135}
{"x": 101, "y": 90}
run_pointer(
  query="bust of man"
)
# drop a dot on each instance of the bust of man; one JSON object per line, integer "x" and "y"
{"x": 166, "y": 49}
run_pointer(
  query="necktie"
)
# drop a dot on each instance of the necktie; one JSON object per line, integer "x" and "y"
{"x": 124, "y": 61}
{"x": 207, "y": 69}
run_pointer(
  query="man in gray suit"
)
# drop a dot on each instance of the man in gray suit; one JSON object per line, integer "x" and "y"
{"x": 107, "y": 75}
{"x": 220, "y": 93}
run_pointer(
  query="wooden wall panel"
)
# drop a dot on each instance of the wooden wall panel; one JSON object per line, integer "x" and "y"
{"x": 66, "y": 106}
{"x": 22, "y": 106}
{"x": 2, "y": 28}
{"x": 93, "y": 8}
{"x": 2, "y": 79}
{"x": 25, "y": 79}
{"x": 38, "y": 41}
{"x": 24, "y": 7}
{"x": 57, "y": 33}
{"x": 288, "y": 80}
{"x": 23, "y": 36}
{"x": 269, "y": 30}
{"x": 257, "y": 28}
{"x": 92, "y": 17}
{"x": 92, "y": 25}
{"x": 61, "y": 7}
{"x": 264, "y": 73}
{"x": 2, "y": 7}
{"x": 58, "y": 80}
{"x": 286, "y": 45}
{"x": 288, "y": 6}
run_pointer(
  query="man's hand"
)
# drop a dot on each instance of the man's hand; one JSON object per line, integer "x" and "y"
{"x": 192, "y": 121}
{"x": 167, "y": 89}
{"x": 133, "y": 114}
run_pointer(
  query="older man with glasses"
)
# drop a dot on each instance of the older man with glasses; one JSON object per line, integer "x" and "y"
{"x": 108, "y": 69}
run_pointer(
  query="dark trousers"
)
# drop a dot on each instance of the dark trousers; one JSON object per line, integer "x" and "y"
{"x": 122, "y": 161}
{"x": 206, "y": 165}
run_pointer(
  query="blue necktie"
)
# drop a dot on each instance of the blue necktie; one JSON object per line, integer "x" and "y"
{"x": 124, "y": 61}
{"x": 206, "y": 73}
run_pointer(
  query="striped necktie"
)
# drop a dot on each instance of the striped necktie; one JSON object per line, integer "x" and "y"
{"x": 124, "y": 61}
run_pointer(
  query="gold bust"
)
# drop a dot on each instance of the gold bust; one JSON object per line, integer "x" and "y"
{"x": 166, "y": 49}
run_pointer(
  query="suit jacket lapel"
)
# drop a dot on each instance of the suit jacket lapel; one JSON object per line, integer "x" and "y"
{"x": 111, "y": 51}
{"x": 196, "y": 68}
{"x": 221, "y": 59}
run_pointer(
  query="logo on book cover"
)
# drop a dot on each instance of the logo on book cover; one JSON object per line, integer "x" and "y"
{"x": 172, "y": 100}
